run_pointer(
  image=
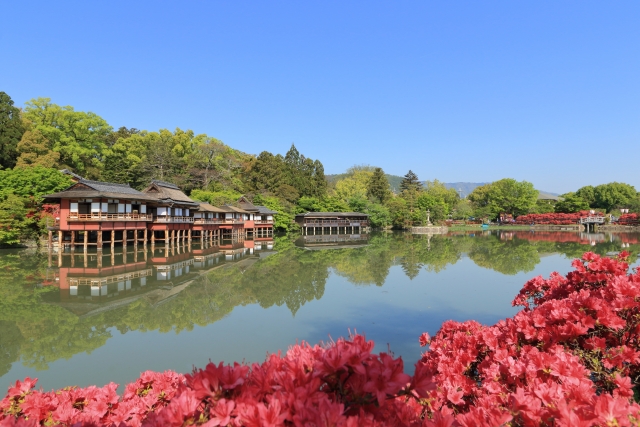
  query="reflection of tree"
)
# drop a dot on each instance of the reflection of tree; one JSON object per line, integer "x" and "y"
{"x": 507, "y": 257}
{"x": 10, "y": 342}
{"x": 40, "y": 333}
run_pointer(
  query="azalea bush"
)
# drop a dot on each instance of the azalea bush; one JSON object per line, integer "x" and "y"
{"x": 570, "y": 357}
{"x": 555, "y": 218}
{"x": 629, "y": 219}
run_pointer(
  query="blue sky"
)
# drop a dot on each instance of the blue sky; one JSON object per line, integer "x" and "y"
{"x": 543, "y": 91}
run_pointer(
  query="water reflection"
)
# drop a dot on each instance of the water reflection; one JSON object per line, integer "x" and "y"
{"x": 54, "y": 306}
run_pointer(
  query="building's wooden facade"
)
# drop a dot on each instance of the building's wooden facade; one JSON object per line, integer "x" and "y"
{"x": 313, "y": 223}
{"x": 94, "y": 213}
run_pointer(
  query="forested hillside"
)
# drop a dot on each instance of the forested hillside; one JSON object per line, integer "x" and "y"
{"x": 43, "y": 137}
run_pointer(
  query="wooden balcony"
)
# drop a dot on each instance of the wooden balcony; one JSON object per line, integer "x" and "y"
{"x": 263, "y": 221}
{"x": 109, "y": 217}
{"x": 167, "y": 219}
{"x": 233, "y": 221}
{"x": 208, "y": 220}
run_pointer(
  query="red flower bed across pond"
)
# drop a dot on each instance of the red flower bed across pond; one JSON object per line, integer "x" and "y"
{"x": 569, "y": 358}
{"x": 554, "y": 218}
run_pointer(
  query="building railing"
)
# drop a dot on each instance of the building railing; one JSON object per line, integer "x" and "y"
{"x": 263, "y": 221}
{"x": 208, "y": 220}
{"x": 335, "y": 223}
{"x": 233, "y": 221}
{"x": 109, "y": 217}
{"x": 164, "y": 218}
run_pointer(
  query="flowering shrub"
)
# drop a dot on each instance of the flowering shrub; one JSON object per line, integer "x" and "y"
{"x": 629, "y": 219}
{"x": 555, "y": 218}
{"x": 569, "y": 358}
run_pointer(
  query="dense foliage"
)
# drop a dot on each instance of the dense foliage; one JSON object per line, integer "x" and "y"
{"x": 47, "y": 135}
{"x": 570, "y": 357}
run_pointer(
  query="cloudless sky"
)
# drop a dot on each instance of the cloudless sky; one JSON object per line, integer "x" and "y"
{"x": 543, "y": 91}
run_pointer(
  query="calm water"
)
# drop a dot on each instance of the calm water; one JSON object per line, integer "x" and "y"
{"x": 80, "y": 320}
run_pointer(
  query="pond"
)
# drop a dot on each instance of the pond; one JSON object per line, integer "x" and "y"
{"x": 81, "y": 319}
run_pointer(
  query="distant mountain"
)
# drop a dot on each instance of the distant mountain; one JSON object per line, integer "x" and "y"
{"x": 463, "y": 188}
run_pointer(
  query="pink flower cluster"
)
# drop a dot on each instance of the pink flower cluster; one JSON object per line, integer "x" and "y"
{"x": 571, "y": 357}
{"x": 554, "y": 218}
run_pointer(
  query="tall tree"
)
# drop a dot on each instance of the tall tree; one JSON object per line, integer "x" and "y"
{"x": 378, "y": 188}
{"x": 571, "y": 203}
{"x": 11, "y": 131}
{"x": 511, "y": 196}
{"x": 613, "y": 194}
{"x": 267, "y": 173}
{"x": 410, "y": 182}
{"x": 80, "y": 137}
{"x": 35, "y": 150}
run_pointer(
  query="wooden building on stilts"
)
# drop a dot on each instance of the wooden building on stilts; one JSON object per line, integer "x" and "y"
{"x": 173, "y": 213}
{"x": 94, "y": 213}
{"x": 319, "y": 223}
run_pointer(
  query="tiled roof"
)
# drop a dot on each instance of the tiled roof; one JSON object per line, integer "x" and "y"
{"x": 206, "y": 207}
{"x": 167, "y": 193}
{"x": 265, "y": 210}
{"x": 165, "y": 184}
{"x": 89, "y": 189}
{"x": 330, "y": 214}
{"x": 111, "y": 187}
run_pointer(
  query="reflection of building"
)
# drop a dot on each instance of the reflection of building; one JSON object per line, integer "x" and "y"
{"x": 332, "y": 241}
{"x": 94, "y": 213}
{"x": 92, "y": 282}
{"x": 315, "y": 223}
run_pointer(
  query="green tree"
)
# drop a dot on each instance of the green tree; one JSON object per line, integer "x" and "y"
{"x": 571, "y": 203}
{"x": 448, "y": 196}
{"x": 511, "y": 196}
{"x": 32, "y": 182}
{"x": 614, "y": 194}
{"x": 353, "y": 185}
{"x": 267, "y": 173}
{"x": 587, "y": 193}
{"x": 80, "y": 138}
{"x": 378, "y": 188}
{"x": 410, "y": 183}
{"x": 13, "y": 221}
{"x": 379, "y": 215}
{"x": 35, "y": 150}
{"x": 11, "y": 131}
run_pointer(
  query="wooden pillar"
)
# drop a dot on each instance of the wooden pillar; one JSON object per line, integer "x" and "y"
{"x": 113, "y": 240}
{"x": 73, "y": 240}
{"x": 144, "y": 236}
{"x": 124, "y": 239}
{"x": 153, "y": 238}
{"x": 100, "y": 259}
{"x": 60, "y": 240}
{"x": 166, "y": 237}
{"x": 189, "y": 236}
{"x": 50, "y": 239}
{"x": 135, "y": 238}
{"x": 86, "y": 239}
{"x": 100, "y": 240}
{"x": 60, "y": 256}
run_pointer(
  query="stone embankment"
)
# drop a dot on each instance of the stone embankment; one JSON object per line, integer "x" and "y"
{"x": 619, "y": 228}
{"x": 430, "y": 229}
